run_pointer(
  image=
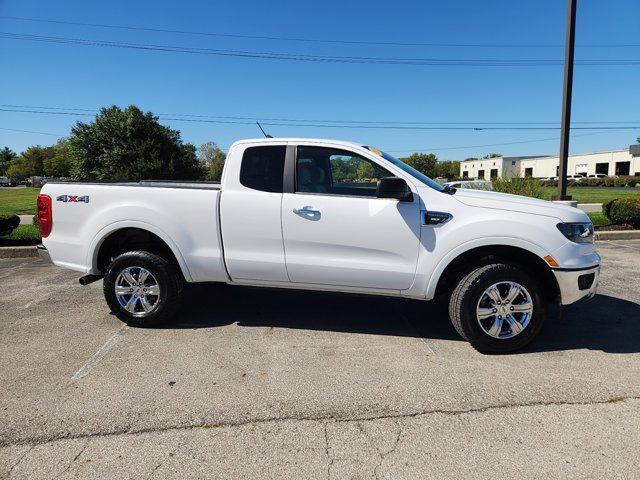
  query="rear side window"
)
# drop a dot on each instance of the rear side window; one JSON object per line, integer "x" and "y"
{"x": 262, "y": 168}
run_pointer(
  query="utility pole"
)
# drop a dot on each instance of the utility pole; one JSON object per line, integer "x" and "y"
{"x": 566, "y": 100}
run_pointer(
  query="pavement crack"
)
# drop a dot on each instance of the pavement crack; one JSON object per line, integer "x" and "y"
{"x": 393, "y": 448}
{"x": 66, "y": 469}
{"x": 330, "y": 460}
{"x": 21, "y": 458}
{"x": 311, "y": 418}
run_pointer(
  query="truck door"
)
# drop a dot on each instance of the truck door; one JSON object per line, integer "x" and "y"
{"x": 336, "y": 232}
{"x": 250, "y": 213}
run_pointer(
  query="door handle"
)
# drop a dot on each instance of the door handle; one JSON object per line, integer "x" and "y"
{"x": 307, "y": 211}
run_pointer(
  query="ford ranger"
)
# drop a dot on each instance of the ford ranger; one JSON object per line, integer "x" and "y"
{"x": 325, "y": 215}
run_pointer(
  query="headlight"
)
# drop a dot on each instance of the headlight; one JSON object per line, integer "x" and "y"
{"x": 577, "y": 232}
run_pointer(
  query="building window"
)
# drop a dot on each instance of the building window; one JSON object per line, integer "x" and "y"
{"x": 494, "y": 173}
{"x": 602, "y": 168}
{"x": 481, "y": 174}
{"x": 622, "y": 168}
{"x": 513, "y": 163}
{"x": 528, "y": 172}
{"x": 465, "y": 174}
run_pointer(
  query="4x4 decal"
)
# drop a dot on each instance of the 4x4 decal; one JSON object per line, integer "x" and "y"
{"x": 73, "y": 198}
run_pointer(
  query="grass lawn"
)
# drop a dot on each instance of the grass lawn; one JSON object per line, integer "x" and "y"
{"x": 23, "y": 235}
{"x": 594, "y": 195}
{"x": 19, "y": 201}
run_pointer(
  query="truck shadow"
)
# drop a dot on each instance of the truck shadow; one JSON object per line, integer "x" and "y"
{"x": 605, "y": 323}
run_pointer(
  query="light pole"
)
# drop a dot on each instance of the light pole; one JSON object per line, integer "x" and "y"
{"x": 566, "y": 100}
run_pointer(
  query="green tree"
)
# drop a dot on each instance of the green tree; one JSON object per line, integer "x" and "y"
{"x": 212, "y": 158}
{"x": 344, "y": 169}
{"x": 61, "y": 163}
{"x": 365, "y": 170}
{"x": 131, "y": 145}
{"x": 448, "y": 168}
{"x": 6, "y": 155}
{"x": 30, "y": 162}
{"x": 423, "y": 162}
{"x": 493, "y": 155}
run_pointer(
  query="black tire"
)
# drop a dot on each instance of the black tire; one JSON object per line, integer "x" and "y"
{"x": 168, "y": 277}
{"x": 467, "y": 294}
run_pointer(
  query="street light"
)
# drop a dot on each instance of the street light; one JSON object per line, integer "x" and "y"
{"x": 566, "y": 100}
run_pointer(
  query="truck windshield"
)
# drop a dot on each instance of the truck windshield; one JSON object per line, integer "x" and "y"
{"x": 410, "y": 170}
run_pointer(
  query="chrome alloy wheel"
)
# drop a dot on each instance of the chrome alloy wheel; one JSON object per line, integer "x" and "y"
{"x": 137, "y": 291}
{"x": 504, "y": 310}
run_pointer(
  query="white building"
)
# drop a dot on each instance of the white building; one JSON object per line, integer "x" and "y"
{"x": 487, "y": 168}
{"x": 618, "y": 162}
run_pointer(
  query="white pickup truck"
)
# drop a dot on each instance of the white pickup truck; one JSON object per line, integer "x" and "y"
{"x": 325, "y": 215}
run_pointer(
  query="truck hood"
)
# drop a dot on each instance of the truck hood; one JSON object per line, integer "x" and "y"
{"x": 518, "y": 203}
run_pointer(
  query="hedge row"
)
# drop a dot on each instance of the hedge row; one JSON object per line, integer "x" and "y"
{"x": 623, "y": 211}
{"x": 597, "y": 182}
{"x": 8, "y": 223}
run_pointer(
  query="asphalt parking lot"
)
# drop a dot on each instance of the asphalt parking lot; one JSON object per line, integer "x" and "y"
{"x": 253, "y": 383}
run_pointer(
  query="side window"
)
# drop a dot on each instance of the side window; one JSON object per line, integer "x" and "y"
{"x": 262, "y": 168}
{"x": 336, "y": 172}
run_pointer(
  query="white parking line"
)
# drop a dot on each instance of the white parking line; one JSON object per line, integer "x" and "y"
{"x": 99, "y": 355}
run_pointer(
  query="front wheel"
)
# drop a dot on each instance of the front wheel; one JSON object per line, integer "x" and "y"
{"x": 498, "y": 308}
{"x": 142, "y": 289}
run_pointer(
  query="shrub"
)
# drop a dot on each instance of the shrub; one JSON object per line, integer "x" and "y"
{"x": 8, "y": 224}
{"x": 519, "y": 186}
{"x": 597, "y": 182}
{"x": 625, "y": 211}
{"x": 606, "y": 208}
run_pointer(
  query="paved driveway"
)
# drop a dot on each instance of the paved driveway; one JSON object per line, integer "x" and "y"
{"x": 254, "y": 383}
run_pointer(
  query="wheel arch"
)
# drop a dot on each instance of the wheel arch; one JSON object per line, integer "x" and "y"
{"x": 125, "y": 236}
{"x": 463, "y": 262}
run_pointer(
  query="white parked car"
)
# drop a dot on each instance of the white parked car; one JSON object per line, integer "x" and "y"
{"x": 576, "y": 178}
{"x": 296, "y": 213}
{"x": 471, "y": 184}
{"x": 597, "y": 175}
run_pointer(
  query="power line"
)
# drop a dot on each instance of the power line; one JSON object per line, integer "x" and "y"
{"x": 417, "y": 149}
{"x": 317, "y": 58}
{"x": 31, "y": 131}
{"x": 343, "y": 126}
{"x": 423, "y": 149}
{"x": 279, "y": 119}
{"x": 307, "y": 40}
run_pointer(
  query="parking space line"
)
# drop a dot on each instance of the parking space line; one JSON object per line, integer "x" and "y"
{"x": 99, "y": 355}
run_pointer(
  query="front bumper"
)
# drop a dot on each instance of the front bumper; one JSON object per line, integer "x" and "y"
{"x": 43, "y": 253}
{"x": 577, "y": 284}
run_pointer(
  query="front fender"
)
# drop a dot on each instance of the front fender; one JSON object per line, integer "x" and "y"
{"x": 441, "y": 266}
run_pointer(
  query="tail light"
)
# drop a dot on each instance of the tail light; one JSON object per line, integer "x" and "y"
{"x": 45, "y": 217}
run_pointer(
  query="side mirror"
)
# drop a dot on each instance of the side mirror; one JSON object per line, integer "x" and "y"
{"x": 394, "y": 187}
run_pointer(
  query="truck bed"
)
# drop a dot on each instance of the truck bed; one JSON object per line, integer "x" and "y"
{"x": 148, "y": 183}
{"x": 184, "y": 215}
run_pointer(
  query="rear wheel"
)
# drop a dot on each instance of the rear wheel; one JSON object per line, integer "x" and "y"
{"x": 498, "y": 308}
{"x": 142, "y": 289}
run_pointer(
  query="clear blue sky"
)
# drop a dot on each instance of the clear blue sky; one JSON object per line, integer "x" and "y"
{"x": 62, "y": 75}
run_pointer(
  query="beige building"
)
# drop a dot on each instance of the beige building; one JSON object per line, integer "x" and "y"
{"x": 488, "y": 168}
{"x": 618, "y": 162}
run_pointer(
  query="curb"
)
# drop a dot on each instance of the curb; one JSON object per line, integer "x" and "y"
{"x": 617, "y": 235}
{"x": 18, "y": 252}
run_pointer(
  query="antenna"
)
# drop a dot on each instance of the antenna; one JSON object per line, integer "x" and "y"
{"x": 262, "y": 130}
